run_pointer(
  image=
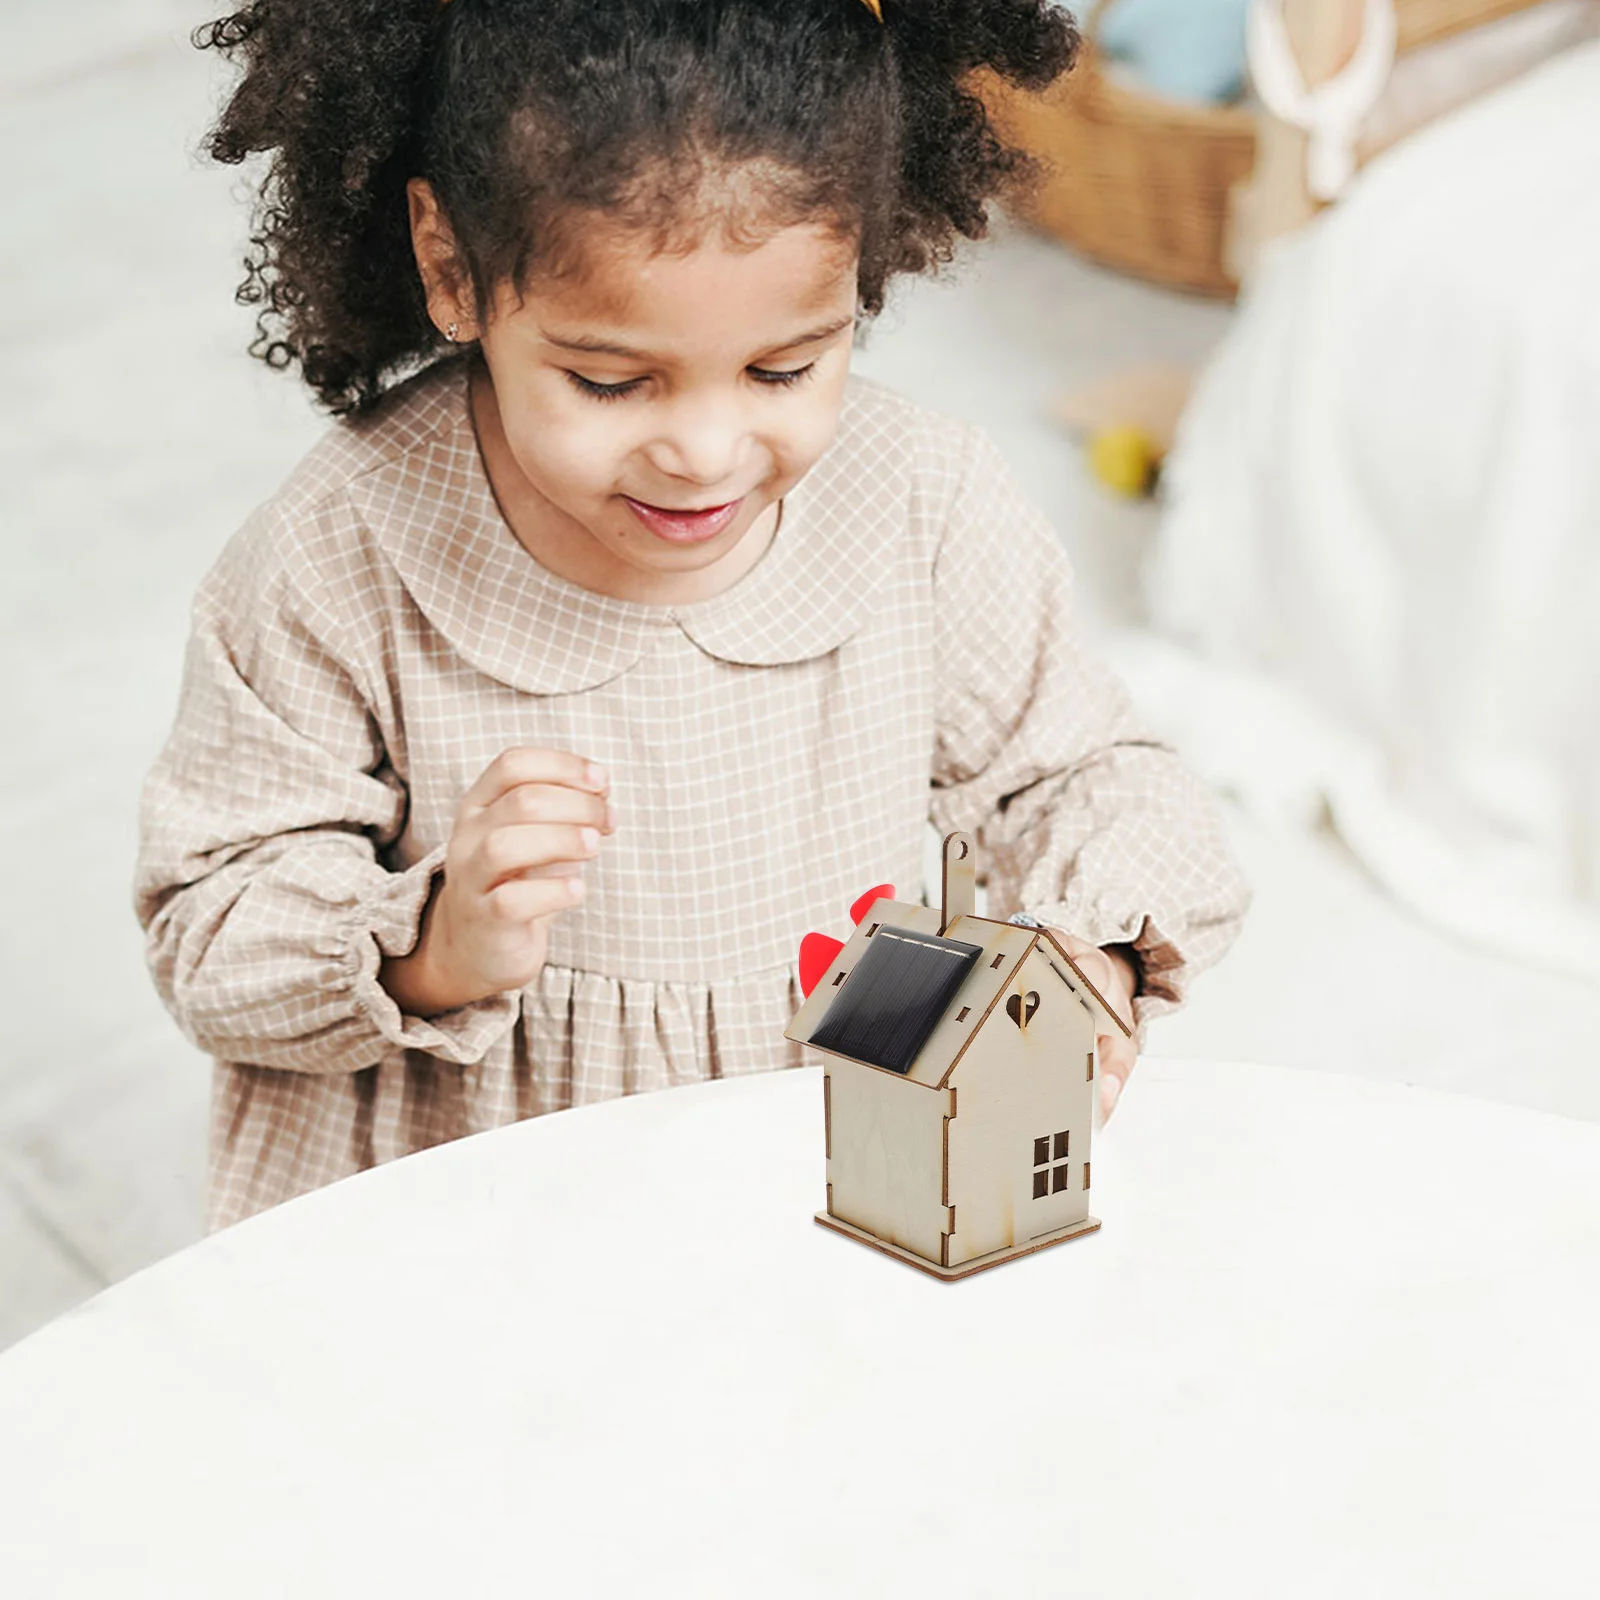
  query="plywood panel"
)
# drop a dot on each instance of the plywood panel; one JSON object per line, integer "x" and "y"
{"x": 1016, "y": 1086}
{"x": 965, "y": 1269}
{"x": 1004, "y": 945}
{"x": 958, "y": 892}
{"x": 886, "y": 1170}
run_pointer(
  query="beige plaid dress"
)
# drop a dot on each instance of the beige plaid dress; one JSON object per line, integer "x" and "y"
{"x": 375, "y": 635}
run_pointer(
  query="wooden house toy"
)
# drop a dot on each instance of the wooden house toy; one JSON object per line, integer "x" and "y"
{"x": 958, "y": 1078}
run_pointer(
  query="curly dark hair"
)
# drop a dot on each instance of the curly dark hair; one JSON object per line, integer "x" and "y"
{"x": 526, "y": 115}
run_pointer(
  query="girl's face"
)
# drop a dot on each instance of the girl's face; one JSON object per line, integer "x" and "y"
{"x": 641, "y": 422}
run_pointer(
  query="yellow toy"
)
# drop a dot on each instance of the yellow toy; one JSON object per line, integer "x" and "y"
{"x": 1128, "y": 420}
{"x": 1125, "y": 459}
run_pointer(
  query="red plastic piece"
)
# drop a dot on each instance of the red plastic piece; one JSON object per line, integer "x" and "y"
{"x": 817, "y": 951}
{"x": 884, "y": 891}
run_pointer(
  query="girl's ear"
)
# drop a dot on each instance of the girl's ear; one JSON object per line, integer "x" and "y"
{"x": 450, "y": 302}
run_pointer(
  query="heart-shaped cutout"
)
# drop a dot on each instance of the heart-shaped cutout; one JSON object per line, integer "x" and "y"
{"x": 1015, "y": 1004}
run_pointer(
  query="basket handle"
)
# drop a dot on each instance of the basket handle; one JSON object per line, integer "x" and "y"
{"x": 1331, "y": 111}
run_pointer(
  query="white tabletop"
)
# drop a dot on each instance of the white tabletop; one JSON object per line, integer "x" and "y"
{"x": 1334, "y": 1338}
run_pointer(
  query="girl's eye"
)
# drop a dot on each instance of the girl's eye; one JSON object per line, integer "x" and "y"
{"x": 782, "y": 380}
{"x": 616, "y": 391}
{"x": 603, "y": 391}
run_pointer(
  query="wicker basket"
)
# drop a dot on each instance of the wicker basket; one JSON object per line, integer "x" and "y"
{"x": 1136, "y": 182}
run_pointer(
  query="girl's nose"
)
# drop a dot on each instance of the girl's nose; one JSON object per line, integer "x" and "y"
{"x": 702, "y": 443}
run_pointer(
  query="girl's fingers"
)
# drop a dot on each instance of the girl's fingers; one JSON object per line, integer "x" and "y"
{"x": 1106, "y": 975}
{"x": 1117, "y": 1059}
{"x": 1110, "y": 1091}
{"x": 529, "y": 849}
{"x": 548, "y": 802}
{"x": 527, "y": 764}
{"x": 1096, "y": 964}
{"x": 523, "y": 899}
{"x": 1118, "y": 1053}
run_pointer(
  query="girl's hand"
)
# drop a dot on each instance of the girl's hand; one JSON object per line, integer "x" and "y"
{"x": 1115, "y": 976}
{"x": 516, "y": 851}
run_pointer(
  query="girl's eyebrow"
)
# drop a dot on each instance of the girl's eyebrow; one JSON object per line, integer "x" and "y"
{"x": 604, "y": 347}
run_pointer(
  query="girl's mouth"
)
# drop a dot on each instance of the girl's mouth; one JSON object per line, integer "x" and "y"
{"x": 685, "y": 527}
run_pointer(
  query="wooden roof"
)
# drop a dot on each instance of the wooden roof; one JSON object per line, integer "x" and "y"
{"x": 981, "y": 990}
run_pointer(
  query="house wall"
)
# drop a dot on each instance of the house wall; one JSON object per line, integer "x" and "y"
{"x": 1013, "y": 1087}
{"x": 886, "y": 1155}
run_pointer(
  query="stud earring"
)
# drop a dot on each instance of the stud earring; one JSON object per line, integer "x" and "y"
{"x": 451, "y": 331}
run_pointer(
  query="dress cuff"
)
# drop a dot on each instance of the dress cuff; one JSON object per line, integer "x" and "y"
{"x": 387, "y": 922}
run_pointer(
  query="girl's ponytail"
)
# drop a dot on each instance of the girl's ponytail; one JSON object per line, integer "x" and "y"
{"x": 953, "y": 160}
{"x": 332, "y": 89}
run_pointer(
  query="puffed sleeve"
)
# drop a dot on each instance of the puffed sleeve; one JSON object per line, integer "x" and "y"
{"x": 1083, "y": 819}
{"x": 259, "y": 881}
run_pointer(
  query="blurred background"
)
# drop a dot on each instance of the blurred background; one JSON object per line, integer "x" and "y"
{"x": 1307, "y": 377}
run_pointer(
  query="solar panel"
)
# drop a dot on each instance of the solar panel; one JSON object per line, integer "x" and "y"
{"x": 894, "y": 997}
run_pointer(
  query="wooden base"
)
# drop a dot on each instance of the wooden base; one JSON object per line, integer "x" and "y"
{"x": 966, "y": 1268}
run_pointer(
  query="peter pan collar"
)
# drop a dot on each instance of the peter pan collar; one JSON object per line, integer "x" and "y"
{"x": 432, "y": 512}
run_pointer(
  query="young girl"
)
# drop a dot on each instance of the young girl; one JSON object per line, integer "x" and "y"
{"x": 615, "y": 637}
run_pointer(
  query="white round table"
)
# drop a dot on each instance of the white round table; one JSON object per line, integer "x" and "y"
{"x": 1334, "y": 1338}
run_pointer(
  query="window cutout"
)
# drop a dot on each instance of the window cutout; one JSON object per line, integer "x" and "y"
{"x": 1041, "y": 1151}
{"x": 961, "y": 1015}
{"x": 1041, "y": 1185}
{"x": 1086, "y": 1174}
{"x": 1061, "y": 1145}
{"x": 1063, "y": 1179}
{"x": 838, "y": 980}
{"x": 998, "y": 959}
{"x": 873, "y": 929}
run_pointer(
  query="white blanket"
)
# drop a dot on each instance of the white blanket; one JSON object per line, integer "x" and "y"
{"x": 1383, "y": 539}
